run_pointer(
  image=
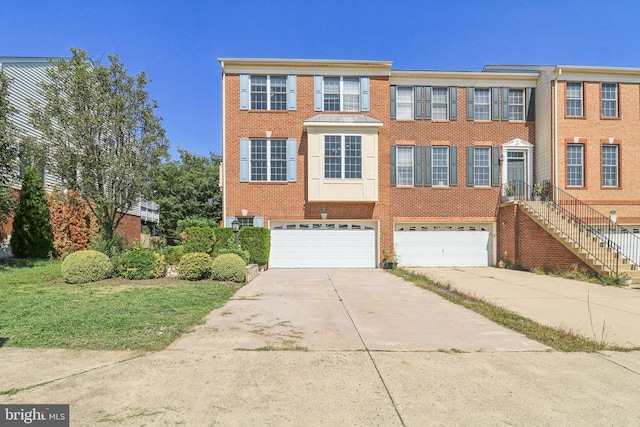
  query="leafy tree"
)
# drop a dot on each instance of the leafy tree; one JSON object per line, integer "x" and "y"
{"x": 188, "y": 188}
{"x": 31, "y": 236}
{"x": 8, "y": 148}
{"x": 105, "y": 141}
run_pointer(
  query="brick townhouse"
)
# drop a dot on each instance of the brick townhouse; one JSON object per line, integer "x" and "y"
{"x": 346, "y": 161}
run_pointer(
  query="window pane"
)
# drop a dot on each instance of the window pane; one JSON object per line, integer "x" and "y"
{"x": 609, "y": 100}
{"x": 352, "y": 157}
{"x": 258, "y": 92}
{"x": 440, "y": 166}
{"x": 278, "y": 93}
{"x": 351, "y": 97}
{"x": 610, "y": 165}
{"x": 404, "y": 165}
{"x": 278, "y": 156}
{"x": 574, "y": 165}
{"x": 404, "y": 103}
{"x": 440, "y": 103}
{"x": 258, "y": 159}
{"x": 332, "y": 93}
{"x": 516, "y": 104}
{"x": 481, "y": 104}
{"x": 332, "y": 156}
{"x": 574, "y": 99}
{"x": 481, "y": 170}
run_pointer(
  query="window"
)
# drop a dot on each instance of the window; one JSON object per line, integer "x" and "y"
{"x": 440, "y": 166}
{"x": 268, "y": 160}
{"x": 481, "y": 166}
{"x": 516, "y": 104}
{"x": 404, "y": 165}
{"x": 574, "y": 99}
{"x": 481, "y": 106}
{"x": 609, "y": 165}
{"x": 609, "y": 100}
{"x": 575, "y": 165}
{"x": 245, "y": 221}
{"x": 268, "y": 93}
{"x": 341, "y": 94}
{"x": 440, "y": 103}
{"x": 404, "y": 103}
{"x": 343, "y": 156}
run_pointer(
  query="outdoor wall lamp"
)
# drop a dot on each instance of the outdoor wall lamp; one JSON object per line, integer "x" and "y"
{"x": 324, "y": 212}
{"x": 614, "y": 216}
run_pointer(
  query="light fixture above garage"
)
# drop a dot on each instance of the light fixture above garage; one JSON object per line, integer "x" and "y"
{"x": 324, "y": 212}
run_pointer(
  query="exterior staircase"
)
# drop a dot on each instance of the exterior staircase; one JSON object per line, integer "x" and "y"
{"x": 599, "y": 242}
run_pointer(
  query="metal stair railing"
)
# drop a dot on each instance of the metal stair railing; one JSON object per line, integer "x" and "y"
{"x": 600, "y": 237}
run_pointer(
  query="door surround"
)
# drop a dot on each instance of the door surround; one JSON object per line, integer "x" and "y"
{"x": 521, "y": 146}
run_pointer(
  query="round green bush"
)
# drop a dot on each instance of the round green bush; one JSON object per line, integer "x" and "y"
{"x": 86, "y": 266}
{"x": 195, "y": 266}
{"x": 229, "y": 268}
{"x": 139, "y": 264}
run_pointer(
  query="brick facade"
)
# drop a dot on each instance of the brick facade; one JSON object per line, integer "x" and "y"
{"x": 131, "y": 228}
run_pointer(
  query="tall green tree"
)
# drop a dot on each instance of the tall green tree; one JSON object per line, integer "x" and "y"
{"x": 188, "y": 188}
{"x": 8, "y": 148}
{"x": 31, "y": 236}
{"x": 106, "y": 142}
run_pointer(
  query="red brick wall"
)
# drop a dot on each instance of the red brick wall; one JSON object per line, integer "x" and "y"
{"x": 594, "y": 131}
{"x": 523, "y": 242}
{"x": 131, "y": 228}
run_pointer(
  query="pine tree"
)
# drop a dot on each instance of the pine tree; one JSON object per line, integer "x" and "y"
{"x": 31, "y": 236}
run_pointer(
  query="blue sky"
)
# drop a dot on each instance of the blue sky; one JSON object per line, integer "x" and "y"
{"x": 177, "y": 42}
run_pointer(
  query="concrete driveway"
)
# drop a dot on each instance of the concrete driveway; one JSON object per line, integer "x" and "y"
{"x": 340, "y": 347}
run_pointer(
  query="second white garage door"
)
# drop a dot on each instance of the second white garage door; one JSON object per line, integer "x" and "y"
{"x": 333, "y": 245}
{"x": 443, "y": 245}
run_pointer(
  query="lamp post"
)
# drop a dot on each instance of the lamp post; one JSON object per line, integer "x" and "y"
{"x": 235, "y": 225}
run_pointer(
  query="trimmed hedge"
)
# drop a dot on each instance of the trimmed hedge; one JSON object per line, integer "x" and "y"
{"x": 229, "y": 268}
{"x": 223, "y": 236}
{"x": 195, "y": 266}
{"x": 257, "y": 241}
{"x": 246, "y": 257}
{"x": 183, "y": 224}
{"x": 86, "y": 266}
{"x": 198, "y": 239}
{"x": 139, "y": 264}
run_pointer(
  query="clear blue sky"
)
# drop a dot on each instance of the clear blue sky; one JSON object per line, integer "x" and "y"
{"x": 178, "y": 42}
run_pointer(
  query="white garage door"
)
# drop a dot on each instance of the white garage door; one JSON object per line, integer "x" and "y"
{"x": 332, "y": 245}
{"x": 443, "y": 245}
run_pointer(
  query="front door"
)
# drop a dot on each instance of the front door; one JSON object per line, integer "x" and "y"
{"x": 515, "y": 170}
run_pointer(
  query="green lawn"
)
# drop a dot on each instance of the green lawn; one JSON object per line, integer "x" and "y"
{"x": 37, "y": 309}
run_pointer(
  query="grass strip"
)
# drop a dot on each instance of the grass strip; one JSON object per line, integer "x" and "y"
{"x": 556, "y": 338}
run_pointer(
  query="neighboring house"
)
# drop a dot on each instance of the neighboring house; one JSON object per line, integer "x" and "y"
{"x": 347, "y": 161}
{"x": 26, "y": 74}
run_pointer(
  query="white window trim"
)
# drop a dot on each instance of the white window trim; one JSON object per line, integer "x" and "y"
{"x": 447, "y": 98}
{"x": 476, "y": 103}
{"x": 342, "y": 94}
{"x": 268, "y": 76}
{"x": 581, "y": 185}
{"x": 411, "y": 164}
{"x": 614, "y": 100}
{"x": 398, "y": 103}
{"x": 268, "y": 160}
{"x": 581, "y": 99}
{"x": 617, "y": 167}
{"x": 343, "y": 157}
{"x": 475, "y": 159}
{"x": 524, "y": 101}
{"x": 434, "y": 183}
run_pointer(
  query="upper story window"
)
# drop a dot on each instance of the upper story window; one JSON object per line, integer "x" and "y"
{"x": 574, "y": 99}
{"x": 404, "y": 166}
{"x": 341, "y": 94}
{"x": 482, "y": 104}
{"x": 267, "y": 93}
{"x": 343, "y": 156}
{"x": 575, "y": 165}
{"x": 609, "y": 100}
{"x": 610, "y": 165}
{"x": 404, "y": 103}
{"x": 440, "y": 103}
{"x": 516, "y": 104}
{"x": 268, "y": 160}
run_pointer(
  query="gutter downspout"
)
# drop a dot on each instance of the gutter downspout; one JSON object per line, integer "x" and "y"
{"x": 223, "y": 168}
{"x": 555, "y": 133}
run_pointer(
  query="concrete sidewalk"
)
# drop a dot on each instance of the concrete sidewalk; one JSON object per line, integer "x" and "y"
{"x": 601, "y": 313}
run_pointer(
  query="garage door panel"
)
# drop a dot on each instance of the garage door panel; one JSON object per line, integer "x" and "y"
{"x": 311, "y": 248}
{"x": 443, "y": 248}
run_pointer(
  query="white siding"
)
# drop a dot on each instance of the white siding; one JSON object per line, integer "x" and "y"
{"x": 544, "y": 129}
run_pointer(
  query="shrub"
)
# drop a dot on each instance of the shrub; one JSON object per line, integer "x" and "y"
{"x": 139, "y": 264}
{"x": 222, "y": 235}
{"x": 257, "y": 241}
{"x": 172, "y": 254}
{"x": 198, "y": 239}
{"x": 31, "y": 236}
{"x": 86, "y": 266}
{"x": 195, "y": 266}
{"x": 246, "y": 257}
{"x": 229, "y": 268}
{"x": 183, "y": 224}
